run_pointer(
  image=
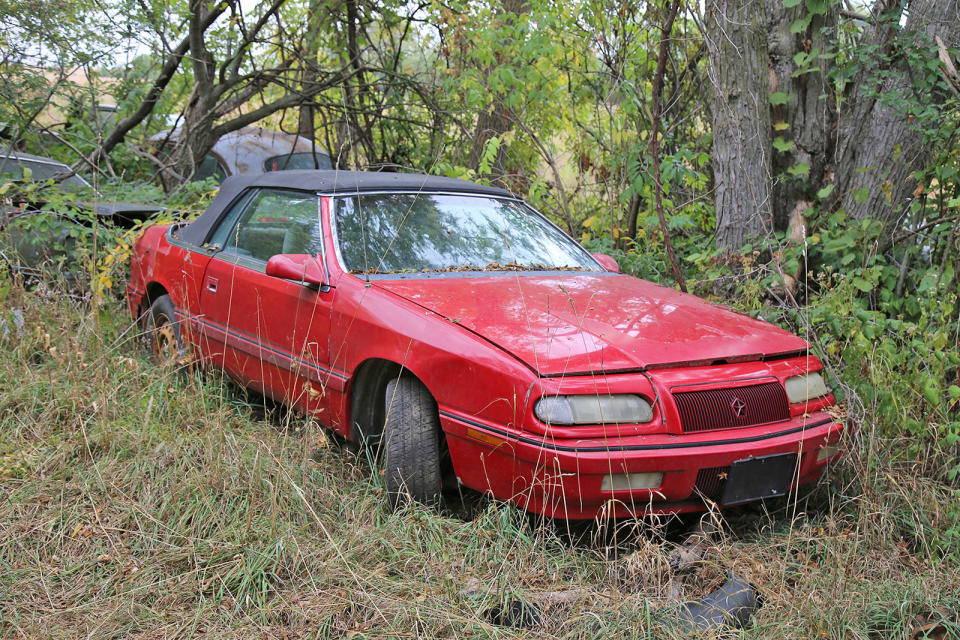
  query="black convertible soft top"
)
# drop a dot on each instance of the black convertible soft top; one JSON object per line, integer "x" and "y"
{"x": 341, "y": 182}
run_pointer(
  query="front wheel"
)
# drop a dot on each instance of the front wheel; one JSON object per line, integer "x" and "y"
{"x": 411, "y": 442}
{"x": 162, "y": 340}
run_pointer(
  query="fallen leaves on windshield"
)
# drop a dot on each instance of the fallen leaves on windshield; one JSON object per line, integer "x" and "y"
{"x": 493, "y": 266}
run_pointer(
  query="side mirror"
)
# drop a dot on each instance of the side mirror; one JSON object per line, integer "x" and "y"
{"x": 296, "y": 266}
{"x": 608, "y": 262}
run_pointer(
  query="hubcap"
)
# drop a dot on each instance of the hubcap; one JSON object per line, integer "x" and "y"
{"x": 164, "y": 344}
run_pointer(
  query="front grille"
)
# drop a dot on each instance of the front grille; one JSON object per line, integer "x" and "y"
{"x": 730, "y": 408}
{"x": 710, "y": 481}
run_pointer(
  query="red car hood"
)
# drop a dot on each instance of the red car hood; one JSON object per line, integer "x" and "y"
{"x": 563, "y": 324}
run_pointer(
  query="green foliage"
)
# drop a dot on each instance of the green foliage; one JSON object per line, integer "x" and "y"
{"x": 779, "y": 97}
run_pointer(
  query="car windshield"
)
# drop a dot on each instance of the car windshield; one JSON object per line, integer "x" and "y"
{"x": 402, "y": 233}
{"x": 38, "y": 171}
{"x": 290, "y": 161}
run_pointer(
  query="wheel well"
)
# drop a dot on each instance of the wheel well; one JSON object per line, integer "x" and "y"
{"x": 154, "y": 291}
{"x": 367, "y": 410}
{"x": 367, "y": 405}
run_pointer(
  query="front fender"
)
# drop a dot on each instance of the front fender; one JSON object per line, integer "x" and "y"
{"x": 463, "y": 372}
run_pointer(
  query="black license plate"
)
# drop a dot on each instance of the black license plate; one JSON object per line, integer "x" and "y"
{"x": 758, "y": 478}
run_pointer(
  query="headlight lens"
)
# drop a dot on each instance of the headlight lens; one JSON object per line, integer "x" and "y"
{"x": 618, "y": 409}
{"x": 805, "y": 387}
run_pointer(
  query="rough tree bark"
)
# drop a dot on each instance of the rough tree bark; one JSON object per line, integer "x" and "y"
{"x": 736, "y": 37}
{"x": 806, "y": 118}
{"x": 197, "y": 138}
{"x": 868, "y": 147}
{"x": 307, "y": 115}
{"x": 880, "y": 146}
{"x": 496, "y": 119}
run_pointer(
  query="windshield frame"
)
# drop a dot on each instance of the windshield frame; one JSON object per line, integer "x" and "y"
{"x": 334, "y": 199}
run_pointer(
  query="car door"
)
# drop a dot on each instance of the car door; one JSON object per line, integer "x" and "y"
{"x": 268, "y": 333}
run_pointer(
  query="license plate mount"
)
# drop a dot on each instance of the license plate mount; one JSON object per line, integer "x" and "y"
{"x": 757, "y": 478}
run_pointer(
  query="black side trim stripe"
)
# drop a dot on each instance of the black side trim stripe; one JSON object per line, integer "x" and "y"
{"x": 635, "y": 447}
{"x": 273, "y": 355}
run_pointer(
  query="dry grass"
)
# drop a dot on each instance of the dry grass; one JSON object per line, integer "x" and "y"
{"x": 140, "y": 502}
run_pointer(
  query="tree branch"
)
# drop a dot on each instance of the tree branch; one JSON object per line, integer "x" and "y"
{"x": 233, "y": 64}
{"x": 853, "y": 15}
{"x": 289, "y": 100}
{"x": 655, "y": 150}
{"x": 169, "y": 68}
{"x": 50, "y": 132}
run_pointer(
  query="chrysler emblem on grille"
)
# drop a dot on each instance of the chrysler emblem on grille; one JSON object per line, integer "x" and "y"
{"x": 739, "y": 407}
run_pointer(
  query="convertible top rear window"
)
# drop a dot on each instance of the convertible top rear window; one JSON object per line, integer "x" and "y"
{"x": 408, "y": 232}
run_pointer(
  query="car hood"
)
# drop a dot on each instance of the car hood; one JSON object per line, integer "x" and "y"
{"x": 566, "y": 324}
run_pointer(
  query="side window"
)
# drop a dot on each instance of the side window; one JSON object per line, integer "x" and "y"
{"x": 272, "y": 222}
{"x": 228, "y": 222}
{"x": 208, "y": 167}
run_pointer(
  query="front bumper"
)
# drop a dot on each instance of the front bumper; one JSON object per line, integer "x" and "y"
{"x": 563, "y": 478}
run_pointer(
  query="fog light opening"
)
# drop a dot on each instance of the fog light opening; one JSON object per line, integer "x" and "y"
{"x": 632, "y": 481}
{"x": 827, "y": 451}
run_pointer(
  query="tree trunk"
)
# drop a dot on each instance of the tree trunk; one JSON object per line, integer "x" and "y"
{"x": 806, "y": 118}
{"x": 170, "y": 66}
{"x": 306, "y": 118}
{"x": 196, "y": 138}
{"x": 495, "y": 120}
{"x": 490, "y": 123}
{"x": 870, "y": 147}
{"x": 736, "y": 36}
{"x": 306, "y": 127}
{"x": 880, "y": 145}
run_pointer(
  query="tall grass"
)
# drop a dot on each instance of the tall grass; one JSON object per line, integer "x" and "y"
{"x": 137, "y": 501}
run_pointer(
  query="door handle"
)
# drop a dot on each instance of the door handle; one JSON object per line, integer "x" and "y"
{"x": 212, "y": 284}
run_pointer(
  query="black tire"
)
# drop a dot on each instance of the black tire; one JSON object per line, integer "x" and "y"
{"x": 411, "y": 442}
{"x": 161, "y": 333}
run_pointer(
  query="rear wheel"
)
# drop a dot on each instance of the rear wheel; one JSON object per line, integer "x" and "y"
{"x": 411, "y": 442}
{"x": 162, "y": 340}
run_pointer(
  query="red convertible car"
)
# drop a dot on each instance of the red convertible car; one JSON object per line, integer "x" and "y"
{"x": 471, "y": 341}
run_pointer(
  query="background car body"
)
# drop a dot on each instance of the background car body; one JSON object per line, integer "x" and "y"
{"x": 31, "y": 249}
{"x": 253, "y": 150}
{"x": 14, "y": 163}
{"x": 488, "y": 346}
